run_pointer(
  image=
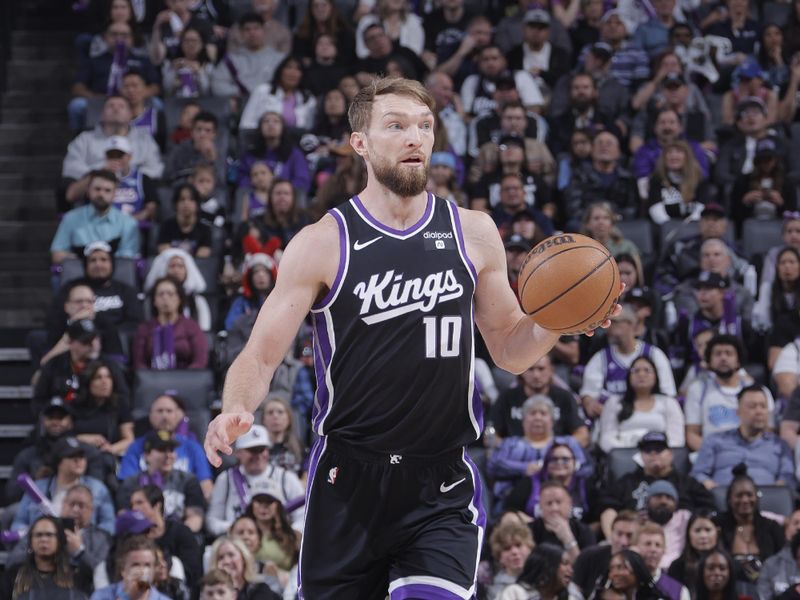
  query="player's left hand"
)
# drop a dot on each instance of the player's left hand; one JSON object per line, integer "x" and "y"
{"x": 223, "y": 431}
{"x": 614, "y": 312}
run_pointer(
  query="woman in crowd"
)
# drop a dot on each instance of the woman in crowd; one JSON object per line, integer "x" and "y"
{"x": 347, "y": 180}
{"x": 322, "y": 17}
{"x": 282, "y": 219}
{"x": 771, "y": 57}
{"x": 101, "y": 414}
{"x": 677, "y": 187}
{"x": 559, "y": 465}
{"x": 649, "y": 94}
{"x": 598, "y": 224}
{"x": 257, "y": 283}
{"x": 280, "y": 544}
{"x": 547, "y": 575}
{"x": 285, "y": 449}
{"x": 628, "y": 578}
{"x": 275, "y": 147}
{"x": 256, "y": 196}
{"x": 401, "y": 25}
{"x": 511, "y": 543}
{"x": 331, "y": 125}
{"x": 630, "y": 268}
{"x": 580, "y": 153}
{"x": 169, "y": 340}
{"x": 717, "y": 577}
{"x": 188, "y": 75}
{"x": 179, "y": 264}
{"x": 233, "y": 557}
{"x": 185, "y": 230}
{"x": 284, "y": 96}
{"x": 442, "y": 181}
{"x": 48, "y": 571}
{"x": 702, "y": 536}
{"x": 642, "y": 408}
{"x": 244, "y": 528}
{"x": 782, "y": 298}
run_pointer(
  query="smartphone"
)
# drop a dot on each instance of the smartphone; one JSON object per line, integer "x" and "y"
{"x": 68, "y": 523}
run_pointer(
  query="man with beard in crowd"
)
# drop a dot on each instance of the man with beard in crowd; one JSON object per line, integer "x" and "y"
{"x": 662, "y": 507}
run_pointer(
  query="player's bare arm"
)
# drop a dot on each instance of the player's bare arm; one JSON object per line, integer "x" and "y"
{"x": 513, "y": 339}
{"x": 307, "y": 270}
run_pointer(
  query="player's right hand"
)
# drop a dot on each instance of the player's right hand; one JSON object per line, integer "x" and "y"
{"x": 223, "y": 431}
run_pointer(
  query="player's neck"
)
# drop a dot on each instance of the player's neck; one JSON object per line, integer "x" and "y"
{"x": 392, "y": 210}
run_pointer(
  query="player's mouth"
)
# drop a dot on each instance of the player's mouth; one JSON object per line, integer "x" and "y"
{"x": 413, "y": 160}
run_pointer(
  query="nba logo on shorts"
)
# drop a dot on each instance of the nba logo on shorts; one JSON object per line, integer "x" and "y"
{"x": 332, "y": 474}
{"x": 440, "y": 244}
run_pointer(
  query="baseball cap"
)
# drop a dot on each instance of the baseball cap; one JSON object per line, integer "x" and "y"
{"x": 709, "y": 279}
{"x": 505, "y": 81}
{"x": 626, "y": 314}
{"x": 160, "y": 440}
{"x": 750, "y": 102}
{"x": 536, "y": 16}
{"x": 132, "y": 522}
{"x": 256, "y": 437}
{"x": 95, "y": 246}
{"x": 601, "y": 50}
{"x": 118, "y": 143}
{"x": 511, "y": 140}
{"x": 612, "y": 13}
{"x": 82, "y": 330}
{"x": 444, "y": 159}
{"x": 662, "y": 487}
{"x": 641, "y": 295}
{"x": 653, "y": 439}
{"x": 265, "y": 489}
{"x": 526, "y": 214}
{"x": 67, "y": 447}
{"x": 673, "y": 80}
{"x": 749, "y": 69}
{"x": 766, "y": 147}
{"x": 713, "y": 209}
{"x": 56, "y": 405}
{"x": 516, "y": 241}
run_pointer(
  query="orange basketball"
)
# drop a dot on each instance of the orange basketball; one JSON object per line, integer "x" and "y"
{"x": 569, "y": 283}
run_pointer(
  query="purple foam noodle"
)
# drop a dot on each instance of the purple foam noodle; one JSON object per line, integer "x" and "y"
{"x": 36, "y": 495}
{"x": 239, "y": 484}
{"x": 183, "y": 427}
{"x": 12, "y": 536}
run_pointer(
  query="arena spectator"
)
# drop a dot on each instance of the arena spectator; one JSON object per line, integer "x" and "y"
{"x": 188, "y": 73}
{"x": 667, "y": 128}
{"x": 748, "y": 82}
{"x": 778, "y": 300}
{"x": 147, "y": 115}
{"x": 780, "y": 571}
{"x": 168, "y": 25}
{"x": 233, "y": 557}
{"x": 278, "y": 418}
{"x": 96, "y": 221}
{"x": 217, "y": 585}
{"x": 327, "y": 68}
{"x": 324, "y": 18}
{"x": 135, "y": 194}
{"x": 629, "y": 493}
{"x": 677, "y": 189}
{"x": 238, "y": 485}
{"x": 713, "y": 404}
{"x": 591, "y": 566}
{"x": 183, "y": 498}
{"x": 442, "y": 181}
{"x": 280, "y": 544}
{"x": 283, "y": 219}
{"x": 650, "y": 544}
{"x": 652, "y": 36}
{"x": 628, "y": 575}
{"x": 598, "y": 223}
{"x": 630, "y": 65}
{"x": 702, "y": 536}
{"x": 284, "y": 96}
{"x": 165, "y": 581}
{"x": 136, "y": 561}
{"x": 244, "y": 528}
{"x": 547, "y": 571}
{"x": 555, "y": 523}
{"x": 511, "y": 544}
{"x": 606, "y": 371}
{"x": 69, "y": 468}
{"x": 179, "y": 264}
{"x": 213, "y": 202}
{"x": 347, "y": 180}
{"x": 763, "y": 453}
{"x": 382, "y": 53}
{"x": 185, "y": 230}
{"x": 586, "y": 22}
{"x": 737, "y": 26}
{"x": 448, "y": 38}
{"x": 395, "y": 17}
{"x": 168, "y": 412}
{"x": 718, "y": 576}
{"x": 202, "y": 148}
{"x": 508, "y": 30}
{"x": 78, "y": 303}
{"x": 169, "y": 340}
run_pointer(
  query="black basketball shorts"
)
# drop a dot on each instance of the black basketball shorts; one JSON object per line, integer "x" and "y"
{"x": 387, "y": 525}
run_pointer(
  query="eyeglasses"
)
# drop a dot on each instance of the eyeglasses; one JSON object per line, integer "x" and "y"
{"x": 561, "y": 459}
{"x": 44, "y": 534}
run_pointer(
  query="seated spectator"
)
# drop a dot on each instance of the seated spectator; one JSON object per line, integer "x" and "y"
{"x": 602, "y": 179}
{"x": 326, "y": 68}
{"x": 78, "y": 303}
{"x": 598, "y": 223}
{"x": 787, "y": 108}
{"x": 285, "y": 448}
{"x": 241, "y": 70}
{"x": 136, "y": 193}
{"x": 136, "y": 559}
{"x": 762, "y": 452}
{"x": 167, "y": 27}
{"x": 59, "y": 376}
{"x": 168, "y": 412}
{"x": 49, "y": 567}
{"x": 778, "y": 301}
{"x": 146, "y": 114}
{"x": 183, "y": 129}
{"x": 381, "y": 54}
{"x": 169, "y": 340}
{"x": 183, "y": 498}
{"x": 178, "y": 264}
{"x": 185, "y": 230}
{"x": 748, "y": 82}
{"x": 273, "y": 145}
{"x": 579, "y": 155}
{"x": 101, "y": 412}
{"x": 650, "y": 544}
{"x": 662, "y": 508}
{"x": 175, "y": 538}
{"x": 629, "y": 493}
{"x": 766, "y": 191}
{"x": 403, "y": 25}
{"x": 713, "y": 404}
{"x": 213, "y": 203}
{"x": 749, "y": 535}
{"x": 283, "y": 96}
{"x": 324, "y": 18}
{"x": 257, "y": 198}
{"x": 217, "y": 585}
{"x": 591, "y": 565}
{"x": 736, "y": 25}
{"x": 641, "y": 409}
{"x": 244, "y": 528}
{"x": 548, "y": 572}
{"x": 188, "y": 73}
{"x": 522, "y": 456}
{"x": 236, "y": 487}
{"x": 606, "y": 371}
{"x": 677, "y": 189}
{"x": 652, "y": 36}
{"x": 630, "y": 65}
{"x": 772, "y": 59}
{"x": 556, "y": 524}
{"x": 100, "y": 74}
{"x": 69, "y": 468}
{"x": 231, "y": 556}
{"x": 442, "y": 180}
{"x": 511, "y": 543}
{"x": 717, "y": 576}
{"x": 628, "y": 575}
{"x": 348, "y": 179}
{"x": 517, "y": 249}
{"x": 283, "y": 219}
{"x": 782, "y": 570}
{"x": 280, "y": 544}
{"x": 165, "y": 582}
{"x": 257, "y": 283}
{"x": 96, "y": 221}
{"x": 87, "y": 151}
{"x": 202, "y": 148}
{"x": 448, "y": 110}
{"x": 702, "y": 536}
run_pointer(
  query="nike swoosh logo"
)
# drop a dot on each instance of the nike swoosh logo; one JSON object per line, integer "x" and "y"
{"x": 359, "y": 246}
{"x": 446, "y": 488}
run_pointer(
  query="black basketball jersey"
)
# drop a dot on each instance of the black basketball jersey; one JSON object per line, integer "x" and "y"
{"x": 393, "y": 339}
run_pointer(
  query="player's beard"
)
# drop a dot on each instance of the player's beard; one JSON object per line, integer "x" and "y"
{"x": 405, "y": 182}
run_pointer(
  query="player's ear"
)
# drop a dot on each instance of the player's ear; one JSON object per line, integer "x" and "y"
{"x": 359, "y": 142}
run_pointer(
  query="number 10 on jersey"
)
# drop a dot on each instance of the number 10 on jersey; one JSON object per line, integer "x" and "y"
{"x": 448, "y": 332}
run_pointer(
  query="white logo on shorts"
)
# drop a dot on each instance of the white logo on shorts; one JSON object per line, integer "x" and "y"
{"x": 446, "y": 488}
{"x": 394, "y": 459}
{"x": 332, "y": 474}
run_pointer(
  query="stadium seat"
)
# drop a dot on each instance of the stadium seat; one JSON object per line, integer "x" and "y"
{"x": 640, "y": 232}
{"x": 620, "y": 461}
{"x": 194, "y": 386}
{"x": 776, "y": 499}
{"x": 759, "y": 235}
{"x": 124, "y": 271}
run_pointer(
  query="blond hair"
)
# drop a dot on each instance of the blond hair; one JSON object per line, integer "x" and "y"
{"x": 360, "y": 112}
{"x": 508, "y": 533}
{"x": 250, "y": 574}
{"x": 649, "y": 528}
{"x": 615, "y": 234}
{"x": 690, "y": 173}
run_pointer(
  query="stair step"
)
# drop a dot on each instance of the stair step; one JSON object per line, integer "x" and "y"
{"x": 34, "y": 298}
{"x": 44, "y": 74}
{"x": 32, "y": 165}
{"x": 19, "y": 235}
{"x": 18, "y": 279}
{"x": 38, "y": 52}
{"x": 25, "y": 261}
{"x": 42, "y": 37}
{"x": 14, "y": 355}
{"x": 34, "y": 316}
{"x": 35, "y": 145}
{"x": 17, "y": 372}
{"x": 34, "y": 115}
{"x": 41, "y": 181}
{"x": 15, "y": 431}
{"x": 21, "y": 205}
{"x": 16, "y": 132}
{"x": 15, "y": 392}
{"x": 22, "y": 99}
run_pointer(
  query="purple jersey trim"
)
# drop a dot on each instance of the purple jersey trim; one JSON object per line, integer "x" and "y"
{"x": 412, "y": 591}
{"x": 316, "y": 455}
{"x": 385, "y": 228}
{"x": 343, "y": 250}
{"x": 323, "y": 356}
{"x": 460, "y": 236}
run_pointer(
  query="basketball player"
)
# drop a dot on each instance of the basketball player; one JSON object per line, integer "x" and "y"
{"x": 394, "y": 279}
